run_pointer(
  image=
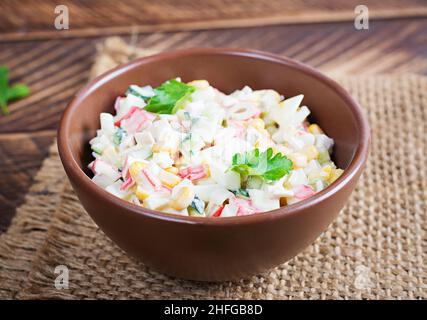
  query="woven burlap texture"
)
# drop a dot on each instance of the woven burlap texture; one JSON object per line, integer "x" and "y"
{"x": 375, "y": 249}
{"x": 29, "y": 228}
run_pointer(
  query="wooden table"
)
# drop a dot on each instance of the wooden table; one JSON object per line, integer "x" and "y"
{"x": 55, "y": 65}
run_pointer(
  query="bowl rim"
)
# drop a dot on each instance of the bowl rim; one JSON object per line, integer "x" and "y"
{"x": 356, "y": 165}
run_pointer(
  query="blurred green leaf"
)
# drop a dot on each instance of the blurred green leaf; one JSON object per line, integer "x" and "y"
{"x": 7, "y": 93}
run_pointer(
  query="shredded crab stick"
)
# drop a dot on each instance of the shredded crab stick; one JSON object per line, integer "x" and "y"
{"x": 244, "y": 207}
{"x": 128, "y": 183}
{"x": 193, "y": 172}
{"x": 191, "y": 150}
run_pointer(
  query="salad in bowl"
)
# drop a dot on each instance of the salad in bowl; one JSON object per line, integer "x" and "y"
{"x": 192, "y": 150}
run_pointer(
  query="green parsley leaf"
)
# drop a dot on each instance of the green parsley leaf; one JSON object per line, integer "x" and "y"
{"x": 169, "y": 97}
{"x": 18, "y": 91}
{"x": 4, "y": 84}
{"x": 261, "y": 164}
{"x": 10, "y": 93}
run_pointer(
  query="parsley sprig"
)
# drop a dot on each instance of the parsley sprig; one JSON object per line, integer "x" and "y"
{"x": 265, "y": 165}
{"x": 169, "y": 97}
{"x": 7, "y": 93}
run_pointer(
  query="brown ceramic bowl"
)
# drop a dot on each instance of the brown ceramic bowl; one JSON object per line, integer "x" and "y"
{"x": 216, "y": 248}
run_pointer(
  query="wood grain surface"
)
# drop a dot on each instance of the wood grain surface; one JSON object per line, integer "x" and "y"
{"x": 106, "y": 17}
{"x": 55, "y": 69}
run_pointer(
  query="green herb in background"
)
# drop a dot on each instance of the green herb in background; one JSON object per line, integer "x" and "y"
{"x": 169, "y": 97}
{"x": 261, "y": 164}
{"x": 7, "y": 93}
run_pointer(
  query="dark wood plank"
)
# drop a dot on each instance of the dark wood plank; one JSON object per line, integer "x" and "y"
{"x": 35, "y": 19}
{"x": 56, "y": 69}
{"x": 20, "y": 157}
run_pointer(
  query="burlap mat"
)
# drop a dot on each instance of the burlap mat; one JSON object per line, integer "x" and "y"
{"x": 375, "y": 249}
{"x": 27, "y": 232}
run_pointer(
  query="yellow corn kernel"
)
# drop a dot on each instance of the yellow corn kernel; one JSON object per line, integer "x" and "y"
{"x": 173, "y": 170}
{"x": 335, "y": 174}
{"x": 141, "y": 193}
{"x": 136, "y": 168}
{"x": 314, "y": 129}
{"x": 183, "y": 198}
{"x": 169, "y": 179}
{"x": 311, "y": 153}
{"x": 326, "y": 171}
